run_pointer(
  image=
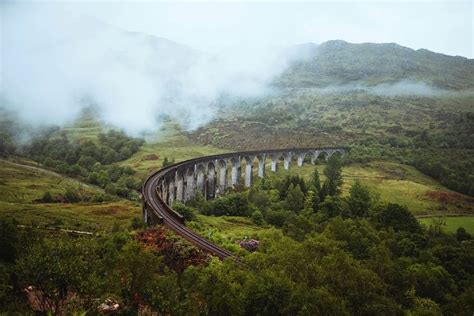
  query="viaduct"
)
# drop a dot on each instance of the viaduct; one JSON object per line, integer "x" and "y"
{"x": 211, "y": 175}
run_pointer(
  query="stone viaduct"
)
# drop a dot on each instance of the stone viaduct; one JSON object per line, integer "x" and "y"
{"x": 211, "y": 176}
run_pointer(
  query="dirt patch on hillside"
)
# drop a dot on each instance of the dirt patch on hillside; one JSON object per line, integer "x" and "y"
{"x": 447, "y": 198}
{"x": 109, "y": 210}
{"x": 151, "y": 157}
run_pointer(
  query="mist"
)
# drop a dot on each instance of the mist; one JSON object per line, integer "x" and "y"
{"x": 55, "y": 63}
{"x": 58, "y": 59}
{"x": 407, "y": 87}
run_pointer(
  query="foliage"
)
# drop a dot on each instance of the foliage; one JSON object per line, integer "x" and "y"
{"x": 333, "y": 175}
{"x": 167, "y": 162}
{"x": 359, "y": 201}
{"x": 188, "y": 213}
{"x": 8, "y": 241}
{"x": 232, "y": 204}
{"x": 396, "y": 217}
{"x": 294, "y": 200}
{"x": 90, "y": 161}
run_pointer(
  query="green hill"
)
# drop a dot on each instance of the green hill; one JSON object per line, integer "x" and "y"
{"x": 339, "y": 63}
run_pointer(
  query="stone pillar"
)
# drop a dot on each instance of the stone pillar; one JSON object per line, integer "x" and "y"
{"x": 261, "y": 166}
{"x": 222, "y": 176}
{"x": 274, "y": 163}
{"x": 200, "y": 182}
{"x": 179, "y": 188}
{"x": 248, "y": 173}
{"x": 171, "y": 191}
{"x": 211, "y": 182}
{"x": 190, "y": 187}
{"x": 235, "y": 173}
{"x": 328, "y": 154}
{"x": 301, "y": 159}
{"x": 287, "y": 161}
{"x": 314, "y": 157}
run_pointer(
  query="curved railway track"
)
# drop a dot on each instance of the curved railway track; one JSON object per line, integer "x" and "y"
{"x": 158, "y": 209}
{"x": 168, "y": 216}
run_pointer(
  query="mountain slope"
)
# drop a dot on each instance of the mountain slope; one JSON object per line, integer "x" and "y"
{"x": 339, "y": 63}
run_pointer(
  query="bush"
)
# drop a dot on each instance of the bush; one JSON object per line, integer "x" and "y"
{"x": 188, "y": 213}
{"x": 71, "y": 196}
{"x": 47, "y": 197}
{"x": 257, "y": 217}
{"x": 137, "y": 223}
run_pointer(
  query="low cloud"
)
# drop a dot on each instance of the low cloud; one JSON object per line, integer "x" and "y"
{"x": 56, "y": 63}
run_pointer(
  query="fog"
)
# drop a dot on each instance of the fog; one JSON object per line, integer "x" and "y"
{"x": 54, "y": 64}
{"x": 399, "y": 88}
{"x": 56, "y": 61}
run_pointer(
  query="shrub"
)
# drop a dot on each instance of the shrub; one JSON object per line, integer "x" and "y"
{"x": 47, "y": 197}
{"x": 71, "y": 196}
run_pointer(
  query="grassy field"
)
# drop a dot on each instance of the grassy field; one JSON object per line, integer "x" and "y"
{"x": 227, "y": 231}
{"x": 168, "y": 142}
{"x": 453, "y": 223}
{"x": 21, "y": 186}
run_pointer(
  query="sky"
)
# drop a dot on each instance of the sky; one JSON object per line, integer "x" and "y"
{"x": 57, "y": 57}
{"x": 441, "y": 26}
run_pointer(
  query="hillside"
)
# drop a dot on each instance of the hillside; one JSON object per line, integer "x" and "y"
{"x": 23, "y": 184}
{"x": 342, "y": 63}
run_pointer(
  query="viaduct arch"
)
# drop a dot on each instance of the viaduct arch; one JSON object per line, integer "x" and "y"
{"x": 212, "y": 175}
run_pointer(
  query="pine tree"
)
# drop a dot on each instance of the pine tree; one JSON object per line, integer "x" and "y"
{"x": 294, "y": 199}
{"x": 359, "y": 200}
{"x": 315, "y": 181}
{"x": 333, "y": 175}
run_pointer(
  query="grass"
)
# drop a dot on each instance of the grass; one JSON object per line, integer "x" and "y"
{"x": 453, "y": 223}
{"x": 395, "y": 183}
{"x": 21, "y": 186}
{"x": 231, "y": 227}
{"x": 227, "y": 231}
{"x": 168, "y": 142}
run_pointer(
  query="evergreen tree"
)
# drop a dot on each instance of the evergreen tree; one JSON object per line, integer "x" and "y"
{"x": 359, "y": 200}
{"x": 315, "y": 181}
{"x": 333, "y": 175}
{"x": 294, "y": 199}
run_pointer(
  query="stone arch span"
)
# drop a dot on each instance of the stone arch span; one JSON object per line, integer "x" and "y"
{"x": 208, "y": 175}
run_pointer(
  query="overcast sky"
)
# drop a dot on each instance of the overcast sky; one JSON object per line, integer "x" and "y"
{"x": 445, "y": 27}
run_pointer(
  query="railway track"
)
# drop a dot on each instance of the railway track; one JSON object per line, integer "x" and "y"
{"x": 168, "y": 217}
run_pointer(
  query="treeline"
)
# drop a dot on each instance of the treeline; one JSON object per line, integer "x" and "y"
{"x": 365, "y": 259}
{"x": 90, "y": 161}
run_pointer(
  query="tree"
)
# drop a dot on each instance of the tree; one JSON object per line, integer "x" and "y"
{"x": 397, "y": 217}
{"x": 257, "y": 217}
{"x": 188, "y": 213}
{"x": 462, "y": 234}
{"x": 8, "y": 241}
{"x": 57, "y": 268}
{"x": 431, "y": 281}
{"x": 333, "y": 175}
{"x": 359, "y": 200}
{"x": 315, "y": 181}
{"x": 331, "y": 206}
{"x": 71, "y": 196}
{"x": 294, "y": 200}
